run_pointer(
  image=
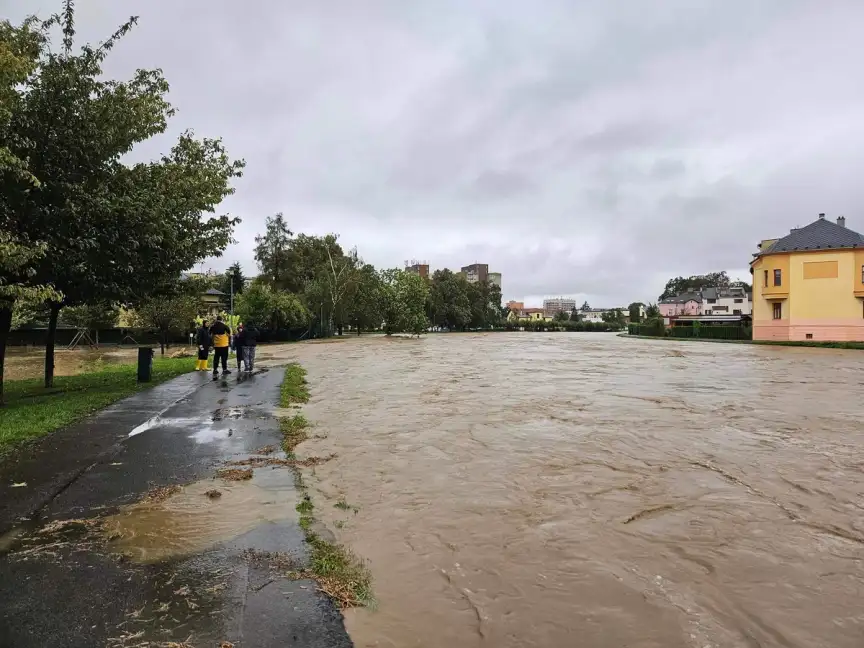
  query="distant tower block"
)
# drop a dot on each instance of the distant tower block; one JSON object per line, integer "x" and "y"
{"x": 418, "y": 267}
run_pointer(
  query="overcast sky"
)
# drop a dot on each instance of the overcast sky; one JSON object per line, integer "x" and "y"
{"x": 581, "y": 148}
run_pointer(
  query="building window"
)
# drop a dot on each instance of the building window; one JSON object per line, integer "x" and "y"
{"x": 766, "y": 279}
{"x": 778, "y": 278}
{"x": 778, "y": 310}
{"x": 862, "y": 274}
{"x": 739, "y": 301}
{"x": 712, "y": 301}
{"x": 809, "y": 336}
{"x": 736, "y": 312}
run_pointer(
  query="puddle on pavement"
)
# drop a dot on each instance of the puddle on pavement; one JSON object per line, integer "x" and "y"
{"x": 534, "y": 490}
{"x": 190, "y": 521}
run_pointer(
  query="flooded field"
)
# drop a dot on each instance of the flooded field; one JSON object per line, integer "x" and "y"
{"x": 24, "y": 363}
{"x": 587, "y": 490}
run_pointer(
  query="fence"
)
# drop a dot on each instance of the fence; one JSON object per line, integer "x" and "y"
{"x": 712, "y": 332}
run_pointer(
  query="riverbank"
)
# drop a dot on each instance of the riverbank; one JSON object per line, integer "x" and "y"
{"x": 32, "y": 411}
{"x": 184, "y": 526}
{"x": 818, "y": 345}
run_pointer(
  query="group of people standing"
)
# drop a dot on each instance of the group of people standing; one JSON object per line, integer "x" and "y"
{"x": 219, "y": 336}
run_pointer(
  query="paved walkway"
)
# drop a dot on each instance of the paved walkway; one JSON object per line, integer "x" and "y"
{"x": 78, "y": 586}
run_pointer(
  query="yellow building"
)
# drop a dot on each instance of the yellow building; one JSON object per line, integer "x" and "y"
{"x": 809, "y": 285}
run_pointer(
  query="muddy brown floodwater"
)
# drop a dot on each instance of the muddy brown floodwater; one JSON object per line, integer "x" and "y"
{"x": 588, "y": 490}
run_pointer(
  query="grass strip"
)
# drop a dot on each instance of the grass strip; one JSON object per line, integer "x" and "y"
{"x": 338, "y": 571}
{"x": 31, "y": 411}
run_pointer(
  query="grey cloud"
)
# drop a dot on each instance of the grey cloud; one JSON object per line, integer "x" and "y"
{"x": 578, "y": 147}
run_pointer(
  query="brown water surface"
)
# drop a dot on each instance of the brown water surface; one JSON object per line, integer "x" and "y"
{"x": 588, "y": 490}
{"x": 189, "y": 521}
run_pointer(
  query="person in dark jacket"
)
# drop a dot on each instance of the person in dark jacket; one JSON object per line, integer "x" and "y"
{"x": 250, "y": 342}
{"x": 203, "y": 340}
{"x": 220, "y": 336}
{"x": 239, "y": 345}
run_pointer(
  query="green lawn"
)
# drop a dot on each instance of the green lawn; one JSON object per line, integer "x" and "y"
{"x": 32, "y": 411}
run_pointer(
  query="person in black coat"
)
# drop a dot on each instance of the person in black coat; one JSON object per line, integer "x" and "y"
{"x": 250, "y": 342}
{"x": 202, "y": 338}
{"x": 239, "y": 345}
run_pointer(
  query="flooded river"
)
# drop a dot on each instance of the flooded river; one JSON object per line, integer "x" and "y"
{"x": 588, "y": 490}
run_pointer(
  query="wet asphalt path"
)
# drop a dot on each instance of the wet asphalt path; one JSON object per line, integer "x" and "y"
{"x": 81, "y": 592}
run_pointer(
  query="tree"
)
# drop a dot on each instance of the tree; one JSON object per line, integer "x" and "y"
{"x": 562, "y": 317}
{"x": 575, "y": 315}
{"x": 636, "y": 312}
{"x": 449, "y": 305}
{"x": 232, "y": 279}
{"x": 112, "y": 232}
{"x": 273, "y": 253}
{"x": 404, "y": 301}
{"x": 696, "y": 283}
{"x": 262, "y": 306}
{"x": 167, "y": 314}
{"x": 652, "y": 311}
{"x": 364, "y": 308}
{"x": 15, "y": 260}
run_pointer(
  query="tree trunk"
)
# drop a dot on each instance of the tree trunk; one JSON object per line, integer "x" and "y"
{"x": 5, "y": 326}
{"x": 162, "y": 338}
{"x": 49, "y": 344}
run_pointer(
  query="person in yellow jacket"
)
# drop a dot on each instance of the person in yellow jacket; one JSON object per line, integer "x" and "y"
{"x": 203, "y": 339}
{"x": 220, "y": 335}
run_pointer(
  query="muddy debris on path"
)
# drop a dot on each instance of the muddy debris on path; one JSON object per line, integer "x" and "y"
{"x": 234, "y": 474}
{"x": 258, "y": 462}
{"x": 160, "y": 493}
{"x": 213, "y": 493}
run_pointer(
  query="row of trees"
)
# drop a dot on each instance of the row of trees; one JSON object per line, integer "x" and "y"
{"x": 79, "y": 225}
{"x": 312, "y": 280}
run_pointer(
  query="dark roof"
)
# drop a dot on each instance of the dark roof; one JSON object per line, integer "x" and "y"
{"x": 683, "y": 298}
{"x": 819, "y": 235}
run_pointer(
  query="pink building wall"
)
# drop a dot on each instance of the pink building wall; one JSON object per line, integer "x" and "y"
{"x": 691, "y": 307}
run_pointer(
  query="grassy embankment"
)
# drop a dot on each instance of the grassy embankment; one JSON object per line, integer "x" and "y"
{"x": 31, "y": 411}
{"x": 339, "y": 573}
{"x": 787, "y": 343}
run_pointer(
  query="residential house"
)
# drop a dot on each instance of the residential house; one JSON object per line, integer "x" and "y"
{"x": 533, "y": 314}
{"x": 734, "y": 300}
{"x": 213, "y": 301}
{"x": 684, "y": 304}
{"x": 809, "y": 285}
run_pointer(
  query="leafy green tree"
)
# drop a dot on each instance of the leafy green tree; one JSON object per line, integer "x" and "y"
{"x": 636, "y": 312}
{"x": 167, "y": 314}
{"x": 112, "y": 232}
{"x": 364, "y": 308}
{"x": 652, "y": 311}
{"x": 262, "y": 306}
{"x": 449, "y": 304}
{"x": 233, "y": 276}
{"x": 562, "y": 317}
{"x": 274, "y": 255}
{"x": 404, "y": 301}
{"x": 15, "y": 261}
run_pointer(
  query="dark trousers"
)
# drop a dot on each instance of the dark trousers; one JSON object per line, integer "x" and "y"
{"x": 239, "y": 351}
{"x": 220, "y": 353}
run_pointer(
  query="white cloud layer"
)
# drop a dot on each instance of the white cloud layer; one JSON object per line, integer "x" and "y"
{"x": 580, "y": 148}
